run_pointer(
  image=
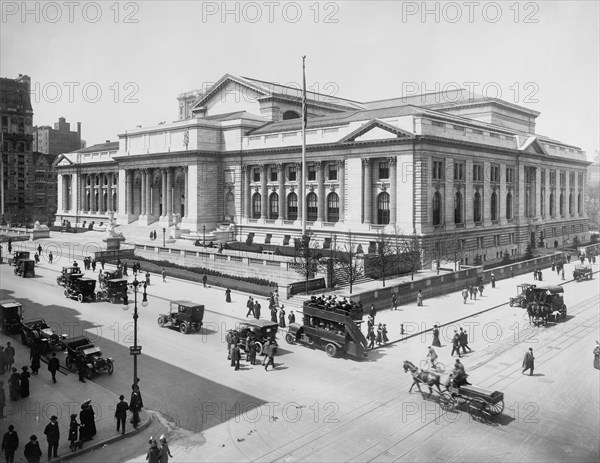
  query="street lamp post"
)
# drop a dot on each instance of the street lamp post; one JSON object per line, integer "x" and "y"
{"x": 135, "y": 350}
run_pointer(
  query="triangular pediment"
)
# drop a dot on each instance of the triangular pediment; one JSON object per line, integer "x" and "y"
{"x": 62, "y": 161}
{"x": 533, "y": 146}
{"x": 227, "y": 91}
{"x": 376, "y": 130}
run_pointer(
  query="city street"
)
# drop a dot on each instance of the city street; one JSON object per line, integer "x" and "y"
{"x": 316, "y": 408}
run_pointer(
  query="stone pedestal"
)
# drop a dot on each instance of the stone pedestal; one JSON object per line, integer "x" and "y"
{"x": 113, "y": 244}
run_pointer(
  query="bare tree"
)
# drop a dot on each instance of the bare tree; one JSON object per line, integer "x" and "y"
{"x": 348, "y": 262}
{"x": 308, "y": 257}
{"x": 436, "y": 248}
{"x": 455, "y": 247}
{"x": 412, "y": 253}
{"x": 383, "y": 257}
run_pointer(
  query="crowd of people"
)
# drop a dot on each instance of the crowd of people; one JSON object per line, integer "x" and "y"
{"x": 248, "y": 341}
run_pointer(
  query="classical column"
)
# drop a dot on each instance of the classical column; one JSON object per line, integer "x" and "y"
{"x": 163, "y": 192}
{"x": 263, "y": 191}
{"x": 143, "y": 192}
{"x": 129, "y": 189}
{"x": 109, "y": 193}
{"x": 393, "y": 178}
{"x": 469, "y": 196}
{"x": 281, "y": 190}
{"x": 149, "y": 175}
{"x": 185, "y": 192}
{"x": 102, "y": 189}
{"x": 169, "y": 192}
{"x": 247, "y": 191}
{"x": 320, "y": 191}
{"x": 367, "y": 214}
{"x": 82, "y": 181}
{"x": 61, "y": 187}
{"x": 342, "y": 190}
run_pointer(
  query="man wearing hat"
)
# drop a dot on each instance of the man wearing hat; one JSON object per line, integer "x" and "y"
{"x": 10, "y": 444}
{"x": 32, "y": 452}
{"x": 53, "y": 436}
{"x": 121, "y": 414}
{"x": 528, "y": 361}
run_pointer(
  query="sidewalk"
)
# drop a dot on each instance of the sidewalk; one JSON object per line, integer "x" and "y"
{"x": 30, "y": 415}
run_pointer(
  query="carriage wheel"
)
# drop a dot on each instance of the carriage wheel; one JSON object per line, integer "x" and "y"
{"x": 89, "y": 373}
{"x": 331, "y": 350}
{"x": 290, "y": 339}
{"x": 447, "y": 402}
{"x": 477, "y": 405}
{"x": 66, "y": 293}
{"x": 495, "y": 409}
{"x": 259, "y": 348}
{"x": 564, "y": 310}
{"x": 183, "y": 327}
{"x": 440, "y": 368}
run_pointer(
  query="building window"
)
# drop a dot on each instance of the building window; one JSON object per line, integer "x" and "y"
{"x": 333, "y": 207}
{"x": 383, "y": 208}
{"x": 312, "y": 208}
{"x": 274, "y": 206}
{"x": 579, "y": 204}
{"x": 477, "y": 207}
{"x": 438, "y": 170}
{"x": 494, "y": 206}
{"x": 312, "y": 173}
{"x": 384, "y": 170}
{"x": 256, "y": 174}
{"x": 561, "y": 204}
{"x": 332, "y": 172}
{"x": 552, "y": 207}
{"x": 543, "y": 202}
{"x": 571, "y": 179}
{"x": 458, "y": 208}
{"x": 273, "y": 174}
{"x": 256, "y": 199}
{"x": 437, "y": 208}
{"x": 509, "y": 206}
{"x": 543, "y": 176}
{"x": 479, "y": 242}
{"x": 495, "y": 174}
{"x": 571, "y": 209}
{"x": 510, "y": 175}
{"x": 563, "y": 179}
{"x": 292, "y": 173}
{"x": 478, "y": 173}
{"x": 459, "y": 171}
{"x": 292, "y": 206}
{"x": 511, "y": 238}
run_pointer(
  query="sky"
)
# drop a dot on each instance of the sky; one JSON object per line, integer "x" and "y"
{"x": 115, "y": 65}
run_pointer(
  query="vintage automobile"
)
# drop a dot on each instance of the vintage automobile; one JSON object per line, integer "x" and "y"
{"x": 68, "y": 274}
{"x": 25, "y": 268}
{"x": 17, "y": 256}
{"x": 38, "y": 331}
{"x": 183, "y": 315}
{"x": 112, "y": 291}
{"x": 582, "y": 272}
{"x": 524, "y": 295}
{"x": 547, "y": 302}
{"x": 107, "y": 276}
{"x": 11, "y": 315}
{"x": 82, "y": 289}
{"x": 263, "y": 330}
{"x": 81, "y": 348}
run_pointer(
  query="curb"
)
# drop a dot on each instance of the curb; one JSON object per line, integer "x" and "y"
{"x": 108, "y": 441}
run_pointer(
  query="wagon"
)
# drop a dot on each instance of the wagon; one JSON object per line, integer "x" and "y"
{"x": 475, "y": 397}
{"x": 582, "y": 272}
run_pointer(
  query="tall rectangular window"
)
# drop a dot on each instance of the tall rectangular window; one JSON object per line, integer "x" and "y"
{"x": 459, "y": 171}
{"x": 438, "y": 170}
{"x": 510, "y": 175}
{"x": 292, "y": 173}
{"x": 477, "y": 173}
{"x": 256, "y": 174}
{"x": 384, "y": 170}
{"x": 332, "y": 172}
{"x": 274, "y": 174}
{"x": 495, "y": 174}
{"x": 312, "y": 173}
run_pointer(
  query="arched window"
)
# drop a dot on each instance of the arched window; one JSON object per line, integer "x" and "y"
{"x": 256, "y": 200}
{"x": 290, "y": 115}
{"x": 292, "y": 206}
{"x": 579, "y": 202}
{"x": 477, "y": 207}
{"x": 509, "y": 206}
{"x": 333, "y": 207}
{"x": 552, "y": 205}
{"x": 383, "y": 208}
{"x": 494, "y": 206}
{"x": 437, "y": 208}
{"x": 561, "y": 204}
{"x": 458, "y": 208}
{"x": 312, "y": 207}
{"x": 274, "y": 206}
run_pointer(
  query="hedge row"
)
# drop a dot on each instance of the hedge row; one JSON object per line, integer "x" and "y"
{"x": 215, "y": 278}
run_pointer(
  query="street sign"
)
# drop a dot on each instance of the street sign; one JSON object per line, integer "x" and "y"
{"x": 135, "y": 350}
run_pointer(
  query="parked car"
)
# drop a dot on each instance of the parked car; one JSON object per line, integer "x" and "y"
{"x": 82, "y": 348}
{"x": 582, "y": 272}
{"x": 264, "y": 330}
{"x": 38, "y": 331}
{"x": 25, "y": 268}
{"x": 112, "y": 291}
{"x": 82, "y": 289}
{"x": 11, "y": 315}
{"x": 67, "y": 274}
{"x": 183, "y": 315}
{"x": 17, "y": 256}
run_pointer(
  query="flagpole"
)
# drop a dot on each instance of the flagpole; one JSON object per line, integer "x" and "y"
{"x": 303, "y": 167}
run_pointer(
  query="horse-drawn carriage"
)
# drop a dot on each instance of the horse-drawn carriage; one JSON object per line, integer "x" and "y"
{"x": 547, "y": 303}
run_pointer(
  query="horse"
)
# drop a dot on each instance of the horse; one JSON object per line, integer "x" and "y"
{"x": 422, "y": 376}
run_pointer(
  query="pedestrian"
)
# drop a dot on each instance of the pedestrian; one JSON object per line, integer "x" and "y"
{"x": 553, "y": 265}
{"x": 32, "y": 451}
{"x": 372, "y": 312}
{"x": 52, "y": 433}
{"x": 463, "y": 338}
{"x": 291, "y": 318}
{"x": 596, "y": 364}
{"x": 53, "y": 366}
{"x": 9, "y": 355}
{"x": 36, "y": 257}
{"x": 465, "y": 295}
{"x": 236, "y": 355}
{"x": 371, "y": 338}
{"x": 87, "y": 417}
{"x": 379, "y": 337}
{"x": 2, "y": 399}
{"x": 493, "y": 277}
{"x": 135, "y": 405}
{"x": 81, "y": 368}
{"x": 274, "y": 314}
{"x": 535, "y": 274}
{"x": 50, "y": 257}
{"x": 121, "y": 413}
{"x": 164, "y": 450}
{"x": 455, "y": 344}
{"x": 10, "y": 246}
{"x": 512, "y": 273}
{"x": 257, "y": 308}
{"x": 281, "y": 318}
{"x": 481, "y": 289}
{"x": 528, "y": 361}
{"x": 10, "y": 444}
{"x": 2, "y": 361}
{"x": 204, "y": 279}
{"x": 539, "y": 275}
{"x": 419, "y": 298}
{"x": 251, "y": 355}
{"x": 164, "y": 275}
{"x": 394, "y": 301}
{"x": 250, "y": 306}
{"x": 432, "y": 356}
{"x": 436, "y": 337}
{"x": 228, "y": 295}
{"x": 34, "y": 356}
{"x": 147, "y": 278}
{"x": 271, "y": 351}
{"x": 151, "y": 235}
{"x": 25, "y": 381}
{"x": 569, "y": 258}
{"x": 154, "y": 453}
{"x": 384, "y": 333}
{"x": 73, "y": 432}
{"x": 39, "y": 249}
{"x": 102, "y": 262}
{"x": 14, "y": 385}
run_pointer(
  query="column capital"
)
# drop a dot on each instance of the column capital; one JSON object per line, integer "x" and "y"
{"x": 279, "y": 166}
{"x": 340, "y": 163}
{"x": 318, "y": 164}
{"x": 366, "y": 162}
{"x": 392, "y": 159}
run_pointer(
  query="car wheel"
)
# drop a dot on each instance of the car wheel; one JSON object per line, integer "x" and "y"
{"x": 110, "y": 367}
{"x": 99, "y": 295}
{"x": 510, "y": 303}
{"x": 331, "y": 350}
{"x": 66, "y": 293}
{"x": 161, "y": 321}
{"x": 80, "y": 297}
{"x": 290, "y": 339}
{"x": 184, "y": 328}
{"x": 259, "y": 348}
{"x": 112, "y": 300}
{"x": 89, "y": 373}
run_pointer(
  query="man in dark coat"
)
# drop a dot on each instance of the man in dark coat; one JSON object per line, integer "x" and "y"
{"x": 236, "y": 354}
{"x": 53, "y": 366}
{"x": 81, "y": 368}
{"x": 121, "y": 414}
{"x": 53, "y": 436}
{"x": 87, "y": 417}
{"x": 10, "y": 444}
{"x": 135, "y": 405}
{"x": 528, "y": 361}
{"x": 250, "y": 306}
{"x": 35, "y": 356}
{"x": 463, "y": 339}
{"x": 32, "y": 452}
{"x": 456, "y": 344}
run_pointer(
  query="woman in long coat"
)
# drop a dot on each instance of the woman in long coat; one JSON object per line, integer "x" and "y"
{"x": 227, "y": 295}
{"x": 379, "y": 338}
{"x": 436, "y": 337}
{"x": 14, "y": 385}
{"x": 25, "y": 382}
{"x": 88, "y": 422}
{"x": 282, "y": 318}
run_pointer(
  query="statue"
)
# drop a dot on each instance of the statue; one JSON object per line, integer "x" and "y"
{"x": 110, "y": 228}
{"x": 38, "y": 226}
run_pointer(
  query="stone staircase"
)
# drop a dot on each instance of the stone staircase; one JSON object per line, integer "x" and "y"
{"x": 342, "y": 281}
